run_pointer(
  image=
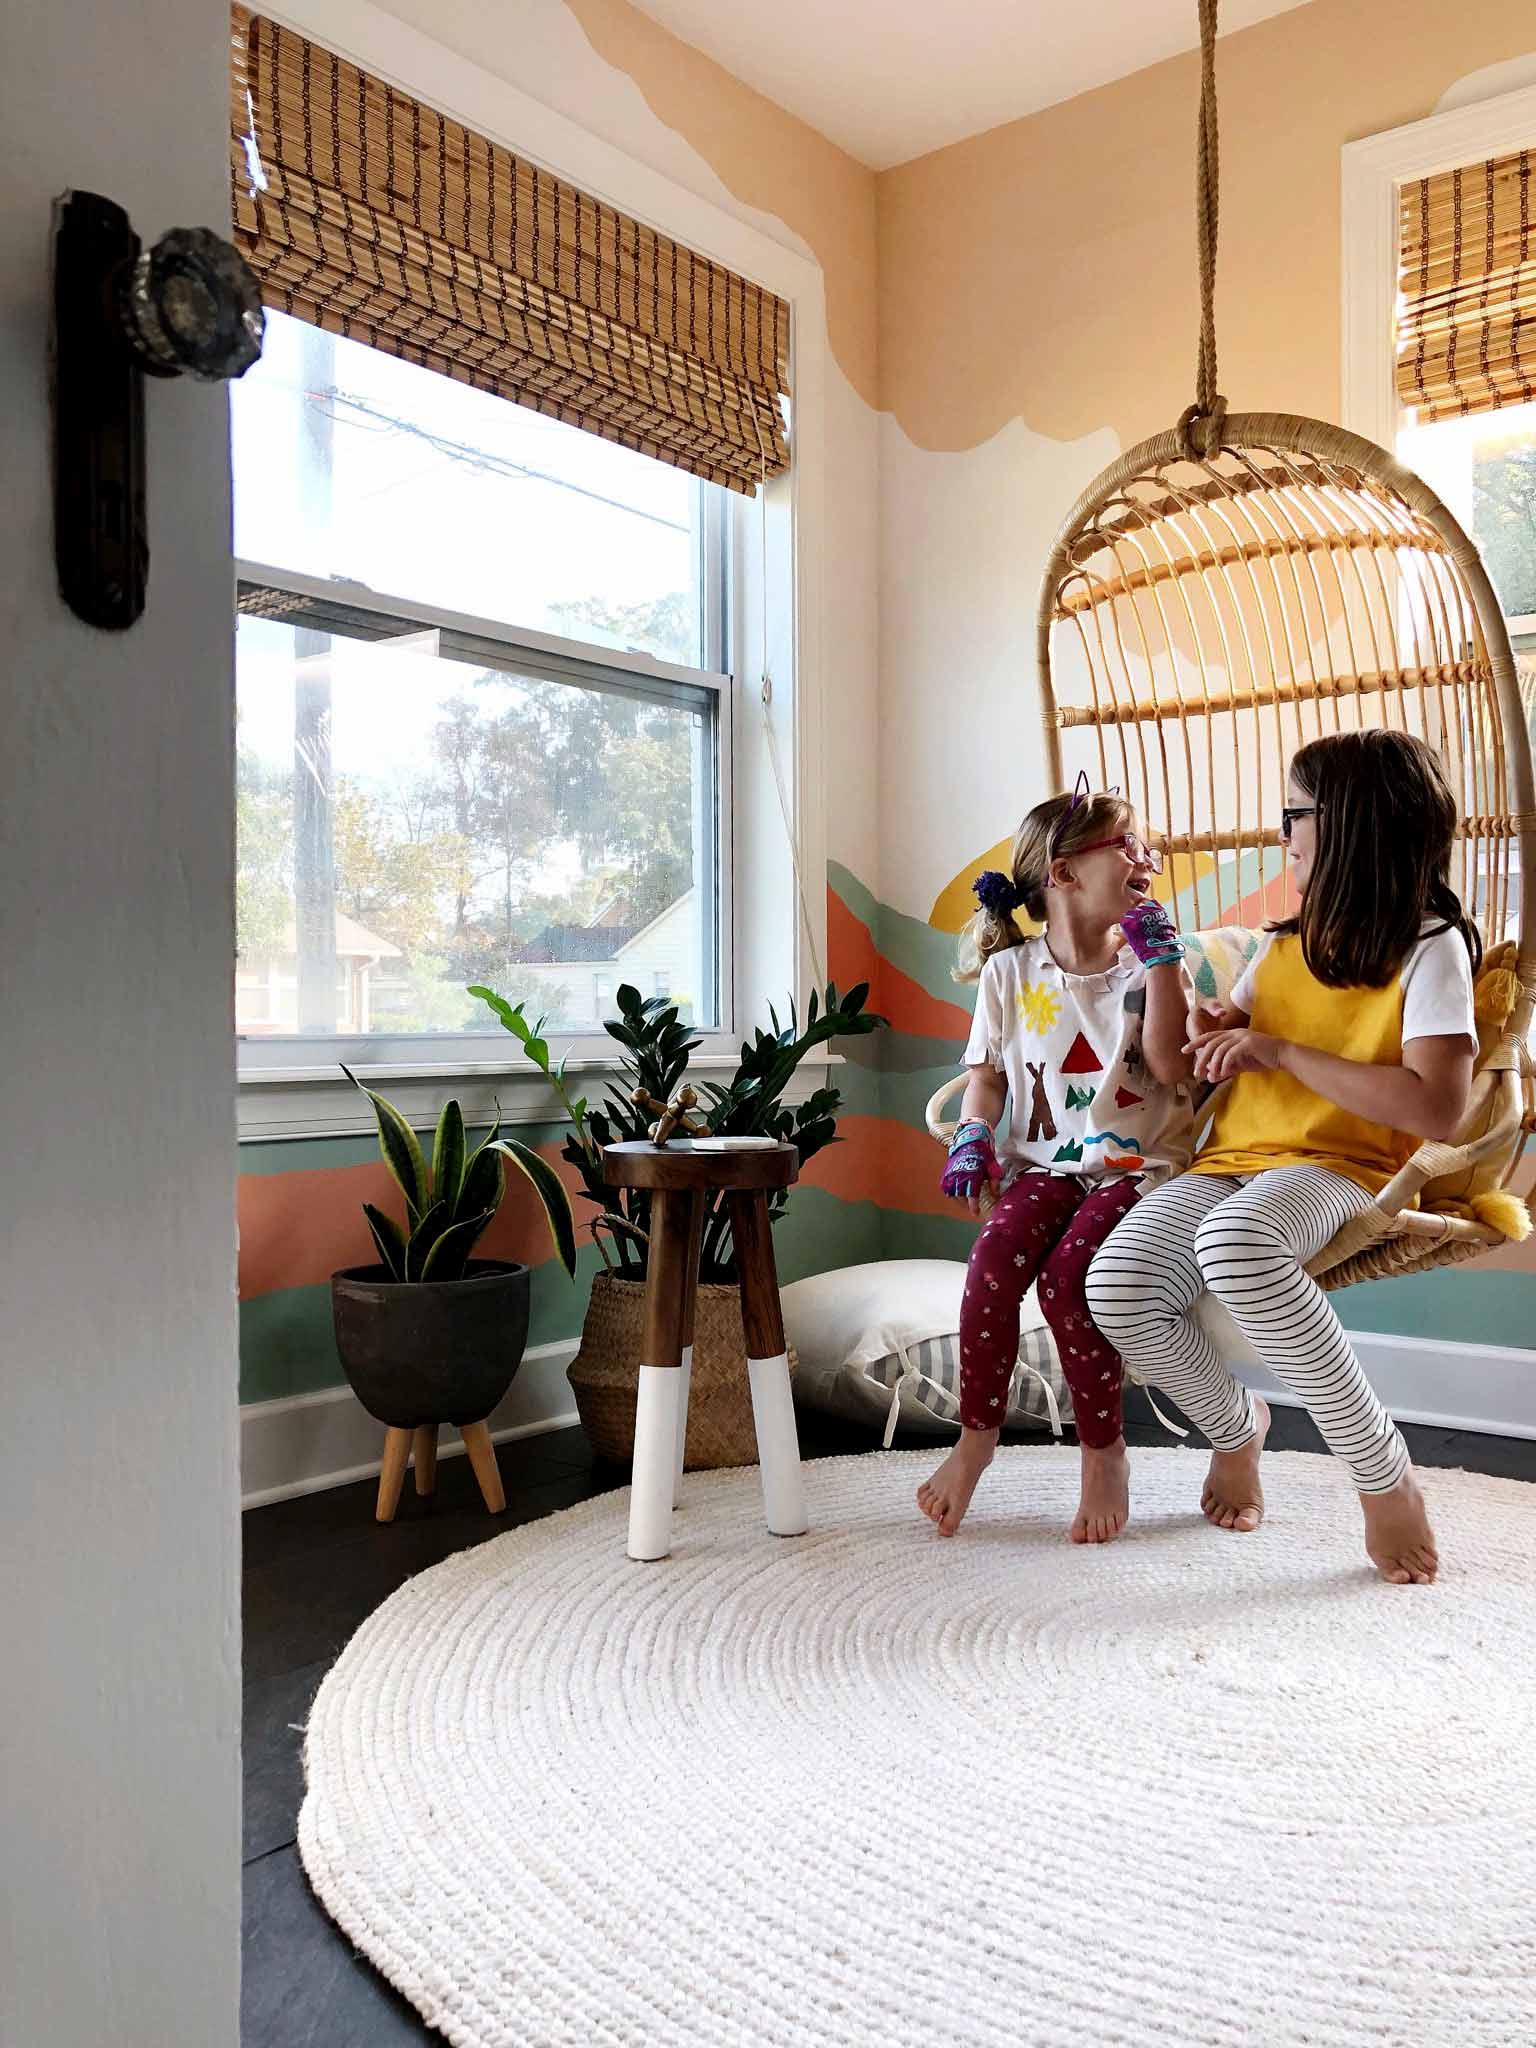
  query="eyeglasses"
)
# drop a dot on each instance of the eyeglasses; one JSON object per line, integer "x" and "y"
{"x": 1290, "y": 813}
{"x": 1134, "y": 849}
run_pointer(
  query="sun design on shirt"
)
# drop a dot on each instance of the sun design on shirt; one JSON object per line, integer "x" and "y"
{"x": 1039, "y": 1006}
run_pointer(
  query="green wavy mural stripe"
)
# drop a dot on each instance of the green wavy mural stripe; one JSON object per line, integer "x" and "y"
{"x": 287, "y": 1344}
{"x": 927, "y": 1237}
{"x": 907, "y": 942}
{"x": 1457, "y": 1303}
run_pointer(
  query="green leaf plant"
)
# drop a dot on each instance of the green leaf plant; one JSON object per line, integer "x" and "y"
{"x": 449, "y": 1203}
{"x": 656, "y": 1050}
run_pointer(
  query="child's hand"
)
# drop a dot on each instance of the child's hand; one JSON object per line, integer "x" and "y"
{"x": 972, "y": 1164}
{"x": 1205, "y": 1018}
{"x": 1151, "y": 935}
{"x": 1219, "y": 1055}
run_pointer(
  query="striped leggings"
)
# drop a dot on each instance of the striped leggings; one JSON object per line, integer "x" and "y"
{"x": 1246, "y": 1242}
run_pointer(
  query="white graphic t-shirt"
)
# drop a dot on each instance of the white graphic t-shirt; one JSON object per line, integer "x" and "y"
{"x": 1069, "y": 1046}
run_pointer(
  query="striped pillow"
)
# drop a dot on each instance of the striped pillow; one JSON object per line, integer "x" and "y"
{"x": 925, "y": 1385}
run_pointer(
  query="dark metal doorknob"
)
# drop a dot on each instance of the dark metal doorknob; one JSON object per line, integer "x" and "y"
{"x": 190, "y": 304}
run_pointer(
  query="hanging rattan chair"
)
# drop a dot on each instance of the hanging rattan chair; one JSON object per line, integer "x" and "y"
{"x": 1240, "y": 585}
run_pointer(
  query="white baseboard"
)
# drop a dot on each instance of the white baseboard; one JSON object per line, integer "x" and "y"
{"x": 311, "y": 1441}
{"x": 1487, "y": 1388}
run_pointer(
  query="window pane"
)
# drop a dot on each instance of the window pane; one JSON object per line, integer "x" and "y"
{"x": 411, "y": 822}
{"x": 350, "y": 463}
{"x": 1484, "y": 467}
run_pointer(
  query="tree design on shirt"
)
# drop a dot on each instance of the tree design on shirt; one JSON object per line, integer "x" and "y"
{"x": 1039, "y": 1006}
{"x": 1042, "y": 1125}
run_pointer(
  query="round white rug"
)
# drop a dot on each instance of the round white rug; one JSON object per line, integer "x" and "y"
{"x": 869, "y": 1787}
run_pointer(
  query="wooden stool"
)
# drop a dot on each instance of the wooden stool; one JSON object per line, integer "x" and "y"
{"x": 678, "y": 1176}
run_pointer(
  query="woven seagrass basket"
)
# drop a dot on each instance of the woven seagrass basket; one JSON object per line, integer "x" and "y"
{"x": 605, "y": 1373}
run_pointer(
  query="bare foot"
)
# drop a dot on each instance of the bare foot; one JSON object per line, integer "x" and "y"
{"x": 1233, "y": 1497}
{"x": 1398, "y": 1538}
{"x": 945, "y": 1497}
{"x": 1105, "y": 1505}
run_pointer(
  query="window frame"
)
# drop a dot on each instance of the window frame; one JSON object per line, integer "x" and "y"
{"x": 776, "y": 548}
{"x": 1372, "y": 173}
{"x": 546, "y": 657}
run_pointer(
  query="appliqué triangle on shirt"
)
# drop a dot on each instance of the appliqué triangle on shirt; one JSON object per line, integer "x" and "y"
{"x": 1124, "y": 1099}
{"x": 1071, "y": 1151}
{"x": 1081, "y": 1098}
{"x": 1082, "y": 1059}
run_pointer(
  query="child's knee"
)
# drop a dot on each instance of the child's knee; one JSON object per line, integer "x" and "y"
{"x": 1231, "y": 1243}
{"x": 1109, "y": 1295}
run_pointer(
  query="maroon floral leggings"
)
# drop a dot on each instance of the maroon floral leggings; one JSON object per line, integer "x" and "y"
{"x": 1046, "y": 1228}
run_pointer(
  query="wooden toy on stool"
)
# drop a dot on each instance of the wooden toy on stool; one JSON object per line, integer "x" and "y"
{"x": 678, "y": 1176}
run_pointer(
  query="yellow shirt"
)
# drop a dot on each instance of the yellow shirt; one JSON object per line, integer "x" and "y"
{"x": 1272, "y": 1119}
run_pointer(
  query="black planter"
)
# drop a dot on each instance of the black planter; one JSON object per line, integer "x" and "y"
{"x": 435, "y": 1350}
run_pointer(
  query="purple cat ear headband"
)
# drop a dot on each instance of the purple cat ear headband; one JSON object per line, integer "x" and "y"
{"x": 997, "y": 892}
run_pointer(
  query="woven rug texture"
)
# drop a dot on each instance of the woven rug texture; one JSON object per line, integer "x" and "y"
{"x": 871, "y": 1787}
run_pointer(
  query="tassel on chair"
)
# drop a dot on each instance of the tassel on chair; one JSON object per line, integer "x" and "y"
{"x": 1504, "y": 1212}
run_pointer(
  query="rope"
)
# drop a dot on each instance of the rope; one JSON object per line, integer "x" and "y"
{"x": 1200, "y": 424}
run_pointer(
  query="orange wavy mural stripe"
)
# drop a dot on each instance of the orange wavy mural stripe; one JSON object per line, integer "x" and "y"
{"x": 296, "y": 1229}
{"x": 881, "y": 1161}
{"x": 854, "y": 957}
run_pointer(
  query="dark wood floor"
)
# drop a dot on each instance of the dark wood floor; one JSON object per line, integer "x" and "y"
{"x": 318, "y": 1566}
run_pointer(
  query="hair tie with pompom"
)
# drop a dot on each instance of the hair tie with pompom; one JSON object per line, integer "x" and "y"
{"x": 997, "y": 893}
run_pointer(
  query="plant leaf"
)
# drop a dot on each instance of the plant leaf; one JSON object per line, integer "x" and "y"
{"x": 551, "y": 1192}
{"x": 450, "y": 1255}
{"x": 508, "y": 1015}
{"x": 387, "y": 1237}
{"x": 401, "y": 1150}
{"x": 424, "y": 1236}
{"x": 485, "y": 1182}
{"x": 449, "y": 1156}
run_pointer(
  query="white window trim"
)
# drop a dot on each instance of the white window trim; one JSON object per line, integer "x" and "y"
{"x": 1373, "y": 170}
{"x": 770, "y": 953}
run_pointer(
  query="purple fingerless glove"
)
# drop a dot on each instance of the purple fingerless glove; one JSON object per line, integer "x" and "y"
{"x": 972, "y": 1163}
{"x": 1150, "y": 934}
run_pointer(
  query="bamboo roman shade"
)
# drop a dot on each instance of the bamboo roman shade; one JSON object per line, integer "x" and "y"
{"x": 1466, "y": 338}
{"x": 376, "y": 217}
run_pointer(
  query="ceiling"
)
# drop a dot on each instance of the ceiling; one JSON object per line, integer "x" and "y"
{"x": 889, "y": 80}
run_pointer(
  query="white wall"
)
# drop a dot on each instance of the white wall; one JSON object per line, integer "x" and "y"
{"x": 119, "y": 1678}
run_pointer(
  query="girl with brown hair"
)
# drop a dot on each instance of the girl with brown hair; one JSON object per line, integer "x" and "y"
{"x": 1349, "y": 1039}
{"x": 1082, "y": 1030}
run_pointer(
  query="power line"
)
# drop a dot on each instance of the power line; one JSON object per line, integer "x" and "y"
{"x": 477, "y": 458}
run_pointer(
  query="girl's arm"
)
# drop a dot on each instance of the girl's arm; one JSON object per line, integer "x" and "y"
{"x": 1426, "y": 1096}
{"x": 986, "y": 1092}
{"x": 1167, "y": 1025}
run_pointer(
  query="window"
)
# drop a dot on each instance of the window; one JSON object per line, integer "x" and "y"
{"x": 1440, "y": 330}
{"x": 1484, "y": 467}
{"x": 483, "y": 733}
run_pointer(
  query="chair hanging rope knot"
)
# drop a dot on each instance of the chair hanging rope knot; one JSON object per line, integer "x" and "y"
{"x": 1200, "y": 429}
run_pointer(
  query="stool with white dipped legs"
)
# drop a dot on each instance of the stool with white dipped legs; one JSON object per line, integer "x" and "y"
{"x": 678, "y": 1176}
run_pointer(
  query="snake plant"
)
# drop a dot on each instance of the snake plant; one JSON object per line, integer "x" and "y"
{"x": 449, "y": 1203}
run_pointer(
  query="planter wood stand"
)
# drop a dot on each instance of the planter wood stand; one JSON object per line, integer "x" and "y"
{"x": 678, "y": 1176}
{"x": 398, "y": 1446}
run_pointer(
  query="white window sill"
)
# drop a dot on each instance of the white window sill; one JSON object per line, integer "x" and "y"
{"x": 279, "y": 1103}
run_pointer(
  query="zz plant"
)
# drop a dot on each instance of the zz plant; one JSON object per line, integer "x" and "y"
{"x": 449, "y": 1203}
{"x": 656, "y": 1051}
